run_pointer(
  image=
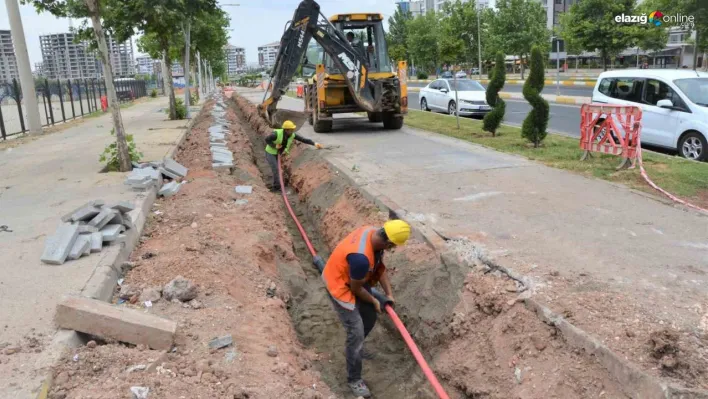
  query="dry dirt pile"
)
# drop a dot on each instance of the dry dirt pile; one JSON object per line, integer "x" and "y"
{"x": 229, "y": 249}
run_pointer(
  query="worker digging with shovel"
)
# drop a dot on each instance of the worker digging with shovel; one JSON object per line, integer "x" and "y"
{"x": 355, "y": 266}
{"x": 278, "y": 143}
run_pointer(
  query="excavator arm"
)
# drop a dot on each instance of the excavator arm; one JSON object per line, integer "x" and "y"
{"x": 306, "y": 24}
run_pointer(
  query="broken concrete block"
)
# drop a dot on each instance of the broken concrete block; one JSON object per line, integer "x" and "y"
{"x": 150, "y": 172}
{"x": 123, "y": 324}
{"x": 175, "y": 167}
{"x": 80, "y": 244}
{"x": 123, "y": 206}
{"x": 111, "y": 232}
{"x": 221, "y": 342}
{"x": 85, "y": 213}
{"x": 86, "y": 229}
{"x": 244, "y": 189}
{"x": 136, "y": 178}
{"x": 128, "y": 222}
{"x": 87, "y": 249}
{"x": 180, "y": 288}
{"x": 96, "y": 241}
{"x": 222, "y": 165}
{"x": 58, "y": 246}
{"x": 169, "y": 189}
{"x": 103, "y": 218}
{"x": 146, "y": 184}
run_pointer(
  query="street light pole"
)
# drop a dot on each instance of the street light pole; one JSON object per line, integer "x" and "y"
{"x": 557, "y": 63}
{"x": 23, "y": 64}
{"x": 479, "y": 47}
{"x": 186, "y": 65}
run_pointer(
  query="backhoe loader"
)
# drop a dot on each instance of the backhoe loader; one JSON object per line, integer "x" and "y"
{"x": 348, "y": 70}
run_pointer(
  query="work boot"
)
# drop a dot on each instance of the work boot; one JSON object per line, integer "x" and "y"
{"x": 359, "y": 388}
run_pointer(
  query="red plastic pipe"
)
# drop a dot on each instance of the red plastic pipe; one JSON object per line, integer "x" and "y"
{"x": 394, "y": 317}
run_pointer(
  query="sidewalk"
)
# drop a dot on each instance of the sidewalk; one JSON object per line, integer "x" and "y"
{"x": 40, "y": 181}
{"x": 618, "y": 264}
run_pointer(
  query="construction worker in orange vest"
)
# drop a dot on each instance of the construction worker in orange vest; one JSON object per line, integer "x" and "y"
{"x": 355, "y": 266}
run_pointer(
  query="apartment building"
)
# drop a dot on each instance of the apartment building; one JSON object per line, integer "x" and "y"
{"x": 121, "y": 56}
{"x": 64, "y": 59}
{"x": 8, "y": 62}
{"x": 145, "y": 65}
{"x": 235, "y": 59}
{"x": 267, "y": 54}
{"x": 422, "y": 6}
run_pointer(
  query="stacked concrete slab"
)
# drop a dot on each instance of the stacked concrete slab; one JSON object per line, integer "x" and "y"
{"x": 222, "y": 157}
{"x": 86, "y": 229}
{"x": 146, "y": 175}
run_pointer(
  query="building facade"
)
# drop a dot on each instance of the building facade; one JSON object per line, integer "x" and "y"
{"x": 8, "y": 62}
{"x": 145, "y": 65}
{"x": 38, "y": 70}
{"x": 267, "y": 54}
{"x": 437, "y": 5}
{"x": 64, "y": 59}
{"x": 121, "y": 56}
{"x": 235, "y": 59}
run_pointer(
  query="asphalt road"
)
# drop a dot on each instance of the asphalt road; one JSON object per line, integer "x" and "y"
{"x": 564, "y": 119}
{"x": 580, "y": 91}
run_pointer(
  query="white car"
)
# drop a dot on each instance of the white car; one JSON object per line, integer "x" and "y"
{"x": 674, "y": 106}
{"x": 439, "y": 95}
{"x": 461, "y": 75}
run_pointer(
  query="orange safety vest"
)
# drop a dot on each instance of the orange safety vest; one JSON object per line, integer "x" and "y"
{"x": 336, "y": 271}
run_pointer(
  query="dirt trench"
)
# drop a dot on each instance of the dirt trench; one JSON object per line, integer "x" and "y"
{"x": 466, "y": 317}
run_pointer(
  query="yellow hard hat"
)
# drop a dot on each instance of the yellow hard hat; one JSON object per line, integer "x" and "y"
{"x": 397, "y": 231}
{"x": 289, "y": 125}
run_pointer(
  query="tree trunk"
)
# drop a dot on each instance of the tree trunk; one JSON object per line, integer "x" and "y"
{"x": 521, "y": 65}
{"x": 695, "y": 52}
{"x": 170, "y": 83}
{"x": 124, "y": 163}
{"x": 705, "y": 61}
{"x": 165, "y": 87}
{"x": 604, "y": 60}
{"x": 187, "y": 91}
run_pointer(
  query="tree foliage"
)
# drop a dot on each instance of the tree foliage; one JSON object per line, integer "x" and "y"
{"x": 498, "y": 77}
{"x": 536, "y": 122}
{"x": 519, "y": 25}
{"x": 423, "y": 40}
{"x": 458, "y": 32}
{"x": 397, "y": 35}
{"x": 591, "y": 24}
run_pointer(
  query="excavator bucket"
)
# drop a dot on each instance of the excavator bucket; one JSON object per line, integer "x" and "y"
{"x": 275, "y": 120}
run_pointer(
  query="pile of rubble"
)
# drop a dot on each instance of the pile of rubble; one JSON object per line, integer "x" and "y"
{"x": 85, "y": 229}
{"x": 221, "y": 156}
{"x": 145, "y": 175}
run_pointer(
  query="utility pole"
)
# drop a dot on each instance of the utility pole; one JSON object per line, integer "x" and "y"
{"x": 186, "y": 66}
{"x": 26, "y": 80}
{"x": 457, "y": 101}
{"x": 479, "y": 46}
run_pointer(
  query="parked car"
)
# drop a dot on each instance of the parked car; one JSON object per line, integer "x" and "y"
{"x": 446, "y": 75}
{"x": 674, "y": 106}
{"x": 474, "y": 71}
{"x": 461, "y": 75}
{"x": 439, "y": 96}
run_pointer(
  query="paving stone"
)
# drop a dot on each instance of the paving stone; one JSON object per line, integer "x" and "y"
{"x": 86, "y": 229}
{"x": 169, "y": 189}
{"x": 68, "y": 216}
{"x": 221, "y": 165}
{"x": 117, "y": 219}
{"x": 244, "y": 189}
{"x": 146, "y": 184}
{"x": 218, "y": 145}
{"x": 222, "y": 151}
{"x": 216, "y": 129}
{"x": 111, "y": 232}
{"x": 168, "y": 173}
{"x": 85, "y": 213}
{"x": 137, "y": 179}
{"x": 58, "y": 246}
{"x": 79, "y": 246}
{"x": 122, "y": 324}
{"x": 149, "y": 171}
{"x": 103, "y": 218}
{"x": 123, "y": 206}
{"x": 96, "y": 242}
{"x": 175, "y": 167}
{"x": 87, "y": 249}
{"x": 128, "y": 222}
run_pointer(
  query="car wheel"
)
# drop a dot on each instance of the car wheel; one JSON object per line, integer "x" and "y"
{"x": 693, "y": 145}
{"x": 424, "y": 104}
{"x": 451, "y": 108}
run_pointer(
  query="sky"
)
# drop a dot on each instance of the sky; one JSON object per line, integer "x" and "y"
{"x": 253, "y": 23}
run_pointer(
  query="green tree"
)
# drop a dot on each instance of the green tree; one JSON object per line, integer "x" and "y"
{"x": 591, "y": 24}
{"x": 423, "y": 40}
{"x": 498, "y": 77}
{"x": 458, "y": 32}
{"x": 519, "y": 25}
{"x": 536, "y": 122}
{"x": 397, "y": 36}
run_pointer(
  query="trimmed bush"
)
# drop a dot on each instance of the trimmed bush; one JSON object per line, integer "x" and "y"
{"x": 497, "y": 79}
{"x": 536, "y": 122}
{"x": 422, "y": 75}
{"x": 153, "y": 93}
{"x": 180, "y": 109}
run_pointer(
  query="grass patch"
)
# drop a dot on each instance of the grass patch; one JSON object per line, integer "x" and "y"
{"x": 674, "y": 174}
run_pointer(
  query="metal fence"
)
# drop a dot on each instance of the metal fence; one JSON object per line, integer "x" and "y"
{"x": 61, "y": 100}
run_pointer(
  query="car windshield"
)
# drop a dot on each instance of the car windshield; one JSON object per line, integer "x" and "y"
{"x": 696, "y": 89}
{"x": 466, "y": 85}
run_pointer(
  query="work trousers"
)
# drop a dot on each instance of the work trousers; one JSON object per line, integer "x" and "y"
{"x": 273, "y": 162}
{"x": 358, "y": 323}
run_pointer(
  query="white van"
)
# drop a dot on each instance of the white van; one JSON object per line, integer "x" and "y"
{"x": 674, "y": 106}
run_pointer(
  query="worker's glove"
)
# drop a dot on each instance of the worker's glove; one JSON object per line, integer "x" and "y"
{"x": 319, "y": 146}
{"x": 383, "y": 299}
{"x": 278, "y": 146}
